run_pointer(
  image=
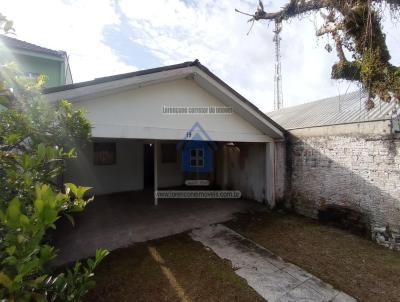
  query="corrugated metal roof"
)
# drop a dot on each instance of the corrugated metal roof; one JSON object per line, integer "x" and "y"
{"x": 19, "y": 44}
{"x": 344, "y": 109}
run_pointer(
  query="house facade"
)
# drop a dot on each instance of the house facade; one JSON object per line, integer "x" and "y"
{"x": 169, "y": 127}
{"x": 180, "y": 126}
{"x": 33, "y": 60}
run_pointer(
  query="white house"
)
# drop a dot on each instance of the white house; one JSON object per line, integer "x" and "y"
{"x": 139, "y": 118}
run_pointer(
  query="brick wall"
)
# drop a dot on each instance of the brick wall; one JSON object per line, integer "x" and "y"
{"x": 359, "y": 170}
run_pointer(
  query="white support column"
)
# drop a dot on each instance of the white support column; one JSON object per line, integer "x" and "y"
{"x": 270, "y": 173}
{"x": 155, "y": 172}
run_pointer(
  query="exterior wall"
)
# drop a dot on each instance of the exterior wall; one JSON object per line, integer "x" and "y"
{"x": 138, "y": 113}
{"x": 280, "y": 171}
{"x": 355, "y": 165}
{"x": 125, "y": 175}
{"x": 51, "y": 68}
{"x": 169, "y": 174}
{"x": 221, "y": 169}
{"x": 378, "y": 128}
{"x": 246, "y": 170}
{"x": 240, "y": 167}
{"x": 67, "y": 72}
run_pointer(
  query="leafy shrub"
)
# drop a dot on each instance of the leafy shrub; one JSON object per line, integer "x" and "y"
{"x": 35, "y": 140}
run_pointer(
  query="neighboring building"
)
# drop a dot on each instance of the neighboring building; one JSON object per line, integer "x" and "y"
{"x": 342, "y": 156}
{"x": 33, "y": 60}
{"x": 134, "y": 134}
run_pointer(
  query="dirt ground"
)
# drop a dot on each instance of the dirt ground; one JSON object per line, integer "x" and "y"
{"x": 171, "y": 269}
{"x": 350, "y": 263}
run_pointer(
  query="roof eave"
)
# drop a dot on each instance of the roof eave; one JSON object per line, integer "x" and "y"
{"x": 193, "y": 69}
{"x": 38, "y": 54}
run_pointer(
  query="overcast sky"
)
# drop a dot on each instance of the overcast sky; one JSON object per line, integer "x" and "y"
{"x": 105, "y": 37}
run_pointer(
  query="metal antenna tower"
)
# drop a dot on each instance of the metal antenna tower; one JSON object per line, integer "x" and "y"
{"x": 278, "y": 95}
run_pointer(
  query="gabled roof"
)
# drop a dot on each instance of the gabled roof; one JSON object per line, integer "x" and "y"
{"x": 120, "y": 77}
{"x": 344, "y": 109}
{"x": 22, "y": 45}
{"x": 191, "y": 69}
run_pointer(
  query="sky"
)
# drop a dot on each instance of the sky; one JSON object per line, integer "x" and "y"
{"x": 106, "y": 37}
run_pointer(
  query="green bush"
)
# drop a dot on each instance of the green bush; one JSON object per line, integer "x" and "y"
{"x": 35, "y": 140}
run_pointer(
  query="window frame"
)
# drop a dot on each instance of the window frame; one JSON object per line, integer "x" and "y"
{"x": 197, "y": 157}
{"x": 104, "y": 147}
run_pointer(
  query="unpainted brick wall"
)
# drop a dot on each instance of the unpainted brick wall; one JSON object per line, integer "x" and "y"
{"x": 357, "y": 171}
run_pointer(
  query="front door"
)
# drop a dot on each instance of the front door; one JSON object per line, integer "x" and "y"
{"x": 148, "y": 167}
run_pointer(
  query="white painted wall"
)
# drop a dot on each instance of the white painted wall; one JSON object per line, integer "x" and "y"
{"x": 138, "y": 114}
{"x": 241, "y": 168}
{"x": 246, "y": 170}
{"x": 220, "y": 161}
{"x": 169, "y": 174}
{"x": 125, "y": 175}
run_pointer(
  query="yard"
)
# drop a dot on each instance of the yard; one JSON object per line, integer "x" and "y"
{"x": 350, "y": 263}
{"x": 178, "y": 268}
{"x": 170, "y": 269}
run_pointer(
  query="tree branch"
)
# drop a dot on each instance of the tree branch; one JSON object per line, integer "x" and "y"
{"x": 298, "y": 7}
{"x": 359, "y": 30}
{"x": 292, "y": 9}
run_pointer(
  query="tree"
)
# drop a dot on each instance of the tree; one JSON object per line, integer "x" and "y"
{"x": 6, "y": 25}
{"x": 356, "y": 29}
{"x": 35, "y": 140}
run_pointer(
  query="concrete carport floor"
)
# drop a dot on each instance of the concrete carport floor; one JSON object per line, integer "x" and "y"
{"x": 118, "y": 220}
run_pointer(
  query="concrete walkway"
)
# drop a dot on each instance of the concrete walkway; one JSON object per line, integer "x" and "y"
{"x": 266, "y": 273}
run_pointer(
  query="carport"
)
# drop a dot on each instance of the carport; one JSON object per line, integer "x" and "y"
{"x": 168, "y": 105}
{"x": 118, "y": 220}
{"x": 140, "y": 122}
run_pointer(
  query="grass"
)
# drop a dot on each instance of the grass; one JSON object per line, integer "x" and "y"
{"x": 350, "y": 263}
{"x": 171, "y": 269}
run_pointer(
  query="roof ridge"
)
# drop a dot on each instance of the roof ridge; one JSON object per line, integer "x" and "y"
{"x": 120, "y": 76}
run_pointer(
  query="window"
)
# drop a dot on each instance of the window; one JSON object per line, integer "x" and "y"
{"x": 196, "y": 158}
{"x": 31, "y": 75}
{"x": 104, "y": 154}
{"x": 168, "y": 153}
